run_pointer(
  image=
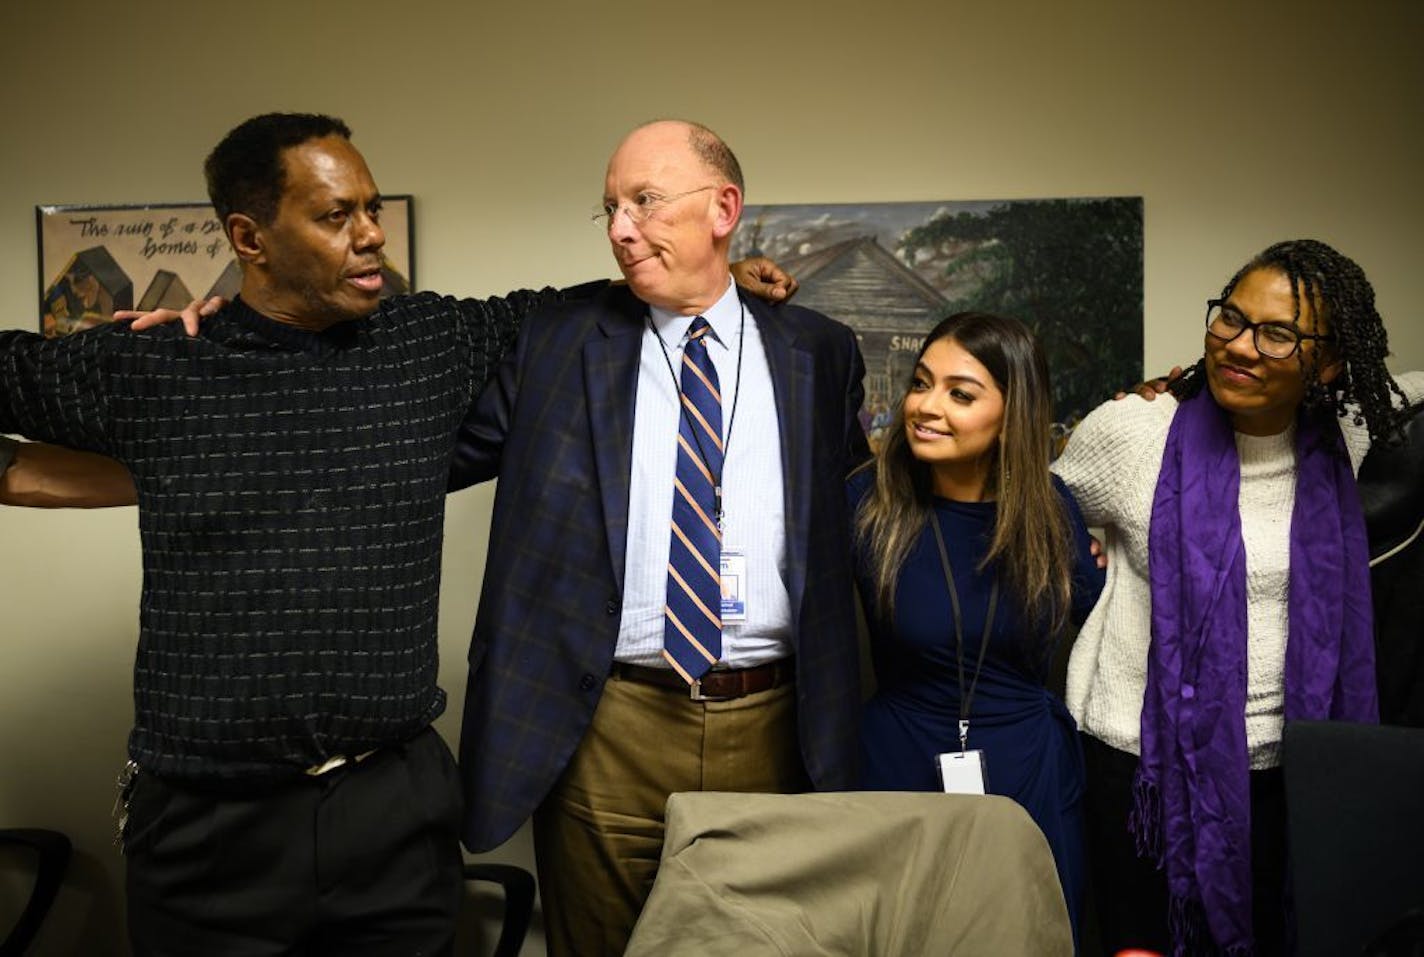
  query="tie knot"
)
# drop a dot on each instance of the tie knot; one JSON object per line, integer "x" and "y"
{"x": 698, "y": 329}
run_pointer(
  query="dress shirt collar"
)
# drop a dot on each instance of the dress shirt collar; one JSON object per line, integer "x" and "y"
{"x": 724, "y": 316}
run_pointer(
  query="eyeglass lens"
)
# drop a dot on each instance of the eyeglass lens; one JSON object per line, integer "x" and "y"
{"x": 1271, "y": 338}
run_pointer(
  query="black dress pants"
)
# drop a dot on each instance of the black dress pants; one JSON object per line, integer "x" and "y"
{"x": 363, "y": 860}
{"x": 1131, "y": 894}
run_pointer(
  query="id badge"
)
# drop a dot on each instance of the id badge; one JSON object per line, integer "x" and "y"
{"x": 962, "y": 772}
{"x": 734, "y": 585}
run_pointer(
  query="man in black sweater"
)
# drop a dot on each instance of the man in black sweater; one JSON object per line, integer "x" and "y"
{"x": 290, "y": 468}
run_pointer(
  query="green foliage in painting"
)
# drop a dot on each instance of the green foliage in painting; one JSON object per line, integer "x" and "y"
{"x": 1071, "y": 269}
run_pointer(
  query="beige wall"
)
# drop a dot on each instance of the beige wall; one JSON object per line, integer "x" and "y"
{"x": 1238, "y": 123}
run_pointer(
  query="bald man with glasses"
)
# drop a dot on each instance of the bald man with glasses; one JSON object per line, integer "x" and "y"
{"x": 667, "y": 603}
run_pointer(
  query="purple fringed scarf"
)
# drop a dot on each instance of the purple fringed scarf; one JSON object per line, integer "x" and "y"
{"x": 1192, "y": 811}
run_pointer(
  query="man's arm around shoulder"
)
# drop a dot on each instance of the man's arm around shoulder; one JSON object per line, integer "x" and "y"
{"x": 548, "y": 347}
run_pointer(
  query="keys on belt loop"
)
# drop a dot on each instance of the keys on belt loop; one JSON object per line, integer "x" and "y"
{"x": 125, "y": 784}
{"x": 337, "y": 761}
{"x": 330, "y": 764}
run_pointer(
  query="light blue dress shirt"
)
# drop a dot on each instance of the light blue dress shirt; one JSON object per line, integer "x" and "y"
{"x": 753, "y": 490}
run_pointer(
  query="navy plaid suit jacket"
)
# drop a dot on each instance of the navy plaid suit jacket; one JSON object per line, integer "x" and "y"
{"x": 556, "y": 426}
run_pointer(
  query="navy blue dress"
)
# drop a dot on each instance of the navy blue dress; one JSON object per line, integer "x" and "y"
{"x": 1030, "y": 742}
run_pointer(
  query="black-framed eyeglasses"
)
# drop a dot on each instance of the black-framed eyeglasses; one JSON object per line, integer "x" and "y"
{"x": 1274, "y": 340}
{"x": 641, "y": 209}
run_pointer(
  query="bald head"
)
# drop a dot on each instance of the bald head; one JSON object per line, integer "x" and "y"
{"x": 674, "y": 194}
{"x": 710, "y": 149}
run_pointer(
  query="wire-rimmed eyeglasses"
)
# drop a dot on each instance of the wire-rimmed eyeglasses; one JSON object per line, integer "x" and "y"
{"x": 641, "y": 209}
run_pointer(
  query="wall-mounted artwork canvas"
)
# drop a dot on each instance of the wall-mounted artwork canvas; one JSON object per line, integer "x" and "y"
{"x": 95, "y": 259}
{"x": 1069, "y": 268}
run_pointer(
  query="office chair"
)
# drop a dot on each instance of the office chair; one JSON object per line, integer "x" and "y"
{"x": 518, "y": 887}
{"x": 54, "y": 851}
{"x": 1355, "y": 819}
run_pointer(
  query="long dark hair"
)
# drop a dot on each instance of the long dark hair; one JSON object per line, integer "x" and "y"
{"x": 1337, "y": 289}
{"x": 1032, "y": 544}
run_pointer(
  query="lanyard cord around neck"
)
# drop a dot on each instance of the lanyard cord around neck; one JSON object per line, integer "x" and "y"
{"x": 731, "y": 419}
{"x": 966, "y": 695}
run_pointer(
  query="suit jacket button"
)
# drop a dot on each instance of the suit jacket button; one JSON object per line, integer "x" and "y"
{"x": 612, "y": 606}
{"x": 587, "y": 682}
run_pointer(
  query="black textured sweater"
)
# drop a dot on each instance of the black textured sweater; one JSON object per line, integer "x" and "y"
{"x": 291, "y": 492}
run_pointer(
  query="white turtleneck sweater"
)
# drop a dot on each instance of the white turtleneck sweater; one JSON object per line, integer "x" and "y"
{"x": 1111, "y": 465}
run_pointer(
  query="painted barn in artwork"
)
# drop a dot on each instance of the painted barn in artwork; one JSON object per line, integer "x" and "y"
{"x": 890, "y": 307}
{"x": 1071, "y": 269}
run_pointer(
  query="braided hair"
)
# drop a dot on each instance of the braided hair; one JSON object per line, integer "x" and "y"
{"x": 1339, "y": 291}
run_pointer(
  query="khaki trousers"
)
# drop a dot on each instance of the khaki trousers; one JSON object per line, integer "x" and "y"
{"x": 599, "y": 833}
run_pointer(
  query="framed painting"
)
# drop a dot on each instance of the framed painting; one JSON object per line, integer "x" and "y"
{"x": 1071, "y": 269}
{"x": 96, "y": 259}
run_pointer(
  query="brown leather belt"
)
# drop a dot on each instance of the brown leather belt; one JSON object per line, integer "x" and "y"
{"x": 718, "y": 684}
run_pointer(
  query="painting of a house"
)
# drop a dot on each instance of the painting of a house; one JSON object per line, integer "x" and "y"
{"x": 86, "y": 292}
{"x": 1069, "y": 268}
{"x": 886, "y": 303}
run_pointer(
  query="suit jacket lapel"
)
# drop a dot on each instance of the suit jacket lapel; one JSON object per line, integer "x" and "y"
{"x": 793, "y": 381}
{"x": 610, "y": 371}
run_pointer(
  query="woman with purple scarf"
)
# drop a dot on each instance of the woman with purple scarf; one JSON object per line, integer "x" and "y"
{"x": 1237, "y": 598}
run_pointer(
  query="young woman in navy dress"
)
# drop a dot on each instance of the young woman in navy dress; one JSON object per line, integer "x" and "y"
{"x": 971, "y": 560}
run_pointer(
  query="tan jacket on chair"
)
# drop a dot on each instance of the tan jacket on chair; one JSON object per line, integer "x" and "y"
{"x": 866, "y": 873}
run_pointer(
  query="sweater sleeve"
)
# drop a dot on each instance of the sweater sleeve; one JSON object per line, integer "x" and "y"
{"x": 53, "y": 390}
{"x": 1088, "y": 578}
{"x": 1107, "y": 449}
{"x": 491, "y": 325}
{"x": 1412, "y": 383}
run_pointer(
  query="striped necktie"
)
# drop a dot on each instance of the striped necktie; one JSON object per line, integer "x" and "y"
{"x": 692, "y": 634}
